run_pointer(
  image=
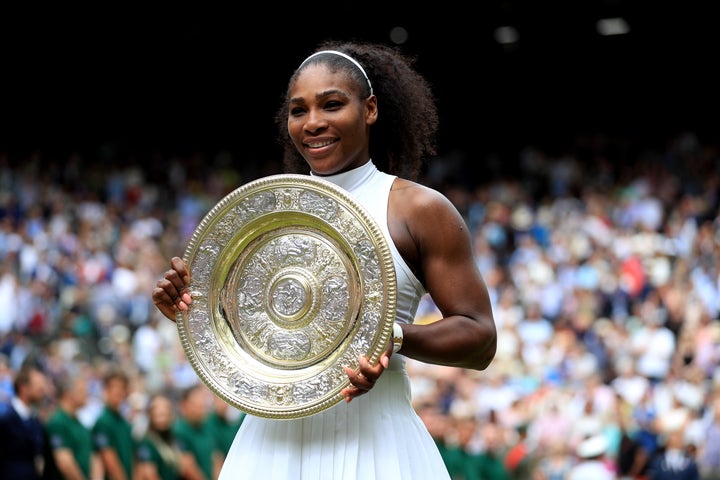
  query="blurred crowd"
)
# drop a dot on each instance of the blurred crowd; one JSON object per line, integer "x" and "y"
{"x": 602, "y": 257}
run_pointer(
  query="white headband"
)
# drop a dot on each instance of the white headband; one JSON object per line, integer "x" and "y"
{"x": 348, "y": 57}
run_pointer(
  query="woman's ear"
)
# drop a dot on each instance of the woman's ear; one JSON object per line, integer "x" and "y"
{"x": 371, "y": 110}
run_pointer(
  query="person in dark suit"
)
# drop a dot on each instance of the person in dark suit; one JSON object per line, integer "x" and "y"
{"x": 23, "y": 441}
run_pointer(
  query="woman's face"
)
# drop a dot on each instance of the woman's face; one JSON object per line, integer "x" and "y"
{"x": 327, "y": 121}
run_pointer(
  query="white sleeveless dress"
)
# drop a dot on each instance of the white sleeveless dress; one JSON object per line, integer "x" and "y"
{"x": 377, "y": 436}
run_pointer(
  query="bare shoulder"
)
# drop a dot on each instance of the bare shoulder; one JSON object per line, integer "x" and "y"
{"x": 425, "y": 225}
{"x": 413, "y": 198}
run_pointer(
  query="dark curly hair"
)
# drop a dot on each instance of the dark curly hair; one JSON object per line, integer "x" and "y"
{"x": 405, "y": 135}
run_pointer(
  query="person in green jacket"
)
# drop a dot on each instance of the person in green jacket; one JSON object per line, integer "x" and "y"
{"x": 200, "y": 454}
{"x": 112, "y": 432}
{"x": 224, "y": 422}
{"x": 71, "y": 441}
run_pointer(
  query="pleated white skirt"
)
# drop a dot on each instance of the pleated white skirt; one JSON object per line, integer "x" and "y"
{"x": 378, "y": 436}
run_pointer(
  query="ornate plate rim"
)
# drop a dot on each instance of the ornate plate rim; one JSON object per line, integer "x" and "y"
{"x": 206, "y": 338}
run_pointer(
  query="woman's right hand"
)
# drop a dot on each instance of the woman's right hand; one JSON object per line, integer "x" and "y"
{"x": 170, "y": 293}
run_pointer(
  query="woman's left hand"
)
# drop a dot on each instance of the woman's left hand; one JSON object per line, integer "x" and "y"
{"x": 364, "y": 379}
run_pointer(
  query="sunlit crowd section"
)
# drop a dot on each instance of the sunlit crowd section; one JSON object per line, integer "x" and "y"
{"x": 602, "y": 257}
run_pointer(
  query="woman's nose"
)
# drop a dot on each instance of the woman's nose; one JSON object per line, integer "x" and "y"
{"x": 314, "y": 121}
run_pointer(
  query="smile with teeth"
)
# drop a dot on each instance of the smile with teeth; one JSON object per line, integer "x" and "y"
{"x": 320, "y": 144}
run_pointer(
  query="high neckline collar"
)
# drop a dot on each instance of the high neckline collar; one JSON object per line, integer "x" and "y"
{"x": 352, "y": 178}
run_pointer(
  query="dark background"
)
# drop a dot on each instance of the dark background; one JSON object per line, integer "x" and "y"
{"x": 191, "y": 77}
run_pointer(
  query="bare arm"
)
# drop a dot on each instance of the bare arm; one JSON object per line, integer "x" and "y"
{"x": 189, "y": 468}
{"x": 146, "y": 471}
{"x": 96, "y": 466}
{"x": 218, "y": 460}
{"x": 67, "y": 465}
{"x": 433, "y": 238}
{"x": 113, "y": 468}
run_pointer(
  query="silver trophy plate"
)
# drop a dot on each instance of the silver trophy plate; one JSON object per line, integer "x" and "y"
{"x": 291, "y": 281}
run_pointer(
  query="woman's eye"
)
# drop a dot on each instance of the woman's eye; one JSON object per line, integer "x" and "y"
{"x": 333, "y": 105}
{"x": 296, "y": 111}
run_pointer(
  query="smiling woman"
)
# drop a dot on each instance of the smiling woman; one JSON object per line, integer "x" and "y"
{"x": 357, "y": 116}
